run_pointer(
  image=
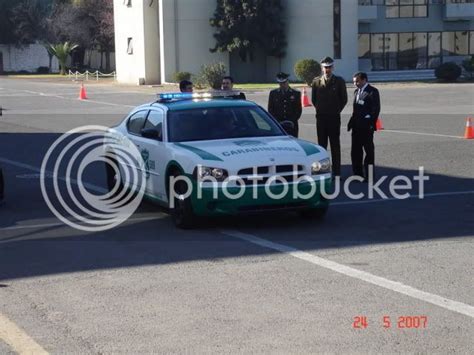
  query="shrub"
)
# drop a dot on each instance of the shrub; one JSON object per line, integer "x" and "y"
{"x": 468, "y": 65}
{"x": 212, "y": 74}
{"x": 42, "y": 70}
{"x": 307, "y": 69}
{"x": 181, "y": 75}
{"x": 448, "y": 71}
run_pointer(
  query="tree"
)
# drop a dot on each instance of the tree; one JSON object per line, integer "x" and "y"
{"x": 101, "y": 14}
{"x": 7, "y": 33}
{"x": 243, "y": 26}
{"x": 62, "y": 51}
{"x": 468, "y": 65}
{"x": 28, "y": 19}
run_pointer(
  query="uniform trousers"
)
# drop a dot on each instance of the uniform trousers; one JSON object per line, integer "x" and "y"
{"x": 328, "y": 128}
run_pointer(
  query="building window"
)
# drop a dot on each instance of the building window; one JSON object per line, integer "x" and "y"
{"x": 129, "y": 45}
{"x": 364, "y": 45}
{"x": 406, "y": 8}
{"x": 414, "y": 50}
{"x": 471, "y": 43}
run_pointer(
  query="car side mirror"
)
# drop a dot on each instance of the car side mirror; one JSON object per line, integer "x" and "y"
{"x": 288, "y": 126}
{"x": 151, "y": 133}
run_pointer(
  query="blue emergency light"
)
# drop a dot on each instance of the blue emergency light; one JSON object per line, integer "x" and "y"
{"x": 196, "y": 95}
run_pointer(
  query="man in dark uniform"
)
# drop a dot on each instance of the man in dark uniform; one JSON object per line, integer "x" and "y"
{"x": 284, "y": 103}
{"x": 363, "y": 122}
{"x": 329, "y": 96}
{"x": 228, "y": 85}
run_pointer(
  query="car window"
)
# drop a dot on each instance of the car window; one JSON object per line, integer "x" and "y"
{"x": 220, "y": 123}
{"x": 154, "y": 120}
{"x": 136, "y": 121}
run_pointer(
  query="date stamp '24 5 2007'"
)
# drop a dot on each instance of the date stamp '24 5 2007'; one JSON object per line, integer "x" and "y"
{"x": 402, "y": 322}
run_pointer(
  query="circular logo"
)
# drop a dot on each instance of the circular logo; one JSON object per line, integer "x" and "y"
{"x": 86, "y": 153}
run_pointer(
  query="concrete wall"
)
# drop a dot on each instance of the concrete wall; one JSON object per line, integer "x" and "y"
{"x": 27, "y": 58}
{"x": 186, "y": 36}
{"x": 139, "y": 22}
{"x": 310, "y": 34}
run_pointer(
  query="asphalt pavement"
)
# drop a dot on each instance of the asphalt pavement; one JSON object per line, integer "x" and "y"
{"x": 258, "y": 284}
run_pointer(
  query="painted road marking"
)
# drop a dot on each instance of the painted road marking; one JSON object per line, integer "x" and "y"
{"x": 60, "y": 224}
{"x": 17, "y": 339}
{"x": 37, "y": 93}
{"x": 421, "y": 134}
{"x": 411, "y": 197}
{"x": 405, "y": 132}
{"x": 395, "y": 286}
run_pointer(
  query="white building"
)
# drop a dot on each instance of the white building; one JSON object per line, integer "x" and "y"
{"x": 156, "y": 38}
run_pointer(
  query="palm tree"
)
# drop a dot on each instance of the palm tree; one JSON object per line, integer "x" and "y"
{"x": 62, "y": 51}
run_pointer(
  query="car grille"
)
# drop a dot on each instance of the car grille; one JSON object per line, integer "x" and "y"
{"x": 287, "y": 172}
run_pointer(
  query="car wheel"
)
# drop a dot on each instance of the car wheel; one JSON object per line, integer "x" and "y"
{"x": 313, "y": 213}
{"x": 182, "y": 212}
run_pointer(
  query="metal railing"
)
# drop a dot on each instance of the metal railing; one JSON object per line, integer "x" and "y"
{"x": 87, "y": 74}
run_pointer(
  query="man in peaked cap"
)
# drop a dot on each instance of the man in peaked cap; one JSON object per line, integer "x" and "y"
{"x": 284, "y": 103}
{"x": 329, "y": 96}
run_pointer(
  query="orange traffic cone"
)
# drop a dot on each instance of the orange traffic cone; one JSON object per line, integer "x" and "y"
{"x": 379, "y": 124}
{"x": 304, "y": 99}
{"x": 82, "y": 93}
{"x": 469, "y": 132}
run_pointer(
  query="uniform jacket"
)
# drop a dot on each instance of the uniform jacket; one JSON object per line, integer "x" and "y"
{"x": 331, "y": 97}
{"x": 366, "y": 109}
{"x": 285, "y": 105}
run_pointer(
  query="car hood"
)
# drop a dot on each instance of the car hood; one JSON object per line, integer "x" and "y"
{"x": 250, "y": 150}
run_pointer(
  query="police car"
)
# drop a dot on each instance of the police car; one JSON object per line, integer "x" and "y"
{"x": 208, "y": 154}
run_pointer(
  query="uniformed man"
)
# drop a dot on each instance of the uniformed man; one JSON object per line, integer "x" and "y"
{"x": 284, "y": 103}
{"x": 363, "y": 123}
{"x": 228, "y": 85}
{"x": 329, "y": 96}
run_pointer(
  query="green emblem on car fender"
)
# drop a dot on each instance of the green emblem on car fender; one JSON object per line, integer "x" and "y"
{"x": 146, "y": 162}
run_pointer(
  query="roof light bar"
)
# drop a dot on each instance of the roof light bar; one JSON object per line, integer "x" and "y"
{"x": 196, "y": 95}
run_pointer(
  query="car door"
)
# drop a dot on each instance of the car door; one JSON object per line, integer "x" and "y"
{"x": 135, "y": 124}
{"x": 152, "y": 151}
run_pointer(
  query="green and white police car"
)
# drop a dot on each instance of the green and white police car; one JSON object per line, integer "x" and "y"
{"x": 208, "y": 154}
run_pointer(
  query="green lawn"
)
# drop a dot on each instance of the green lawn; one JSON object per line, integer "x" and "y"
{"x": 262, "y": 86}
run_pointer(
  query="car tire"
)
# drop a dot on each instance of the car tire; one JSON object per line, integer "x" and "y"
{"x": 313, "y": 213}
{"x": 182, "y": 212}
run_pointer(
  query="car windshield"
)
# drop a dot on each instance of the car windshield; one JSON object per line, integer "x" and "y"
{"x": 211, "y": 123}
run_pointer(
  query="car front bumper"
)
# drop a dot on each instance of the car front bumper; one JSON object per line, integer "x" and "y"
{"x": 213, "y": 201}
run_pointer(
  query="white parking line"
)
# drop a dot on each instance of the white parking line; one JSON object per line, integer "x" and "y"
{"x": 395, "y": 286}
{"x": 38, "y": 93}
{"x": 433, "y": 194}
{"x": 421, "y": 134}
{"x": 403, "y": 132}
{"x": 60, "y": 224}
{"x": 17, "y": 339}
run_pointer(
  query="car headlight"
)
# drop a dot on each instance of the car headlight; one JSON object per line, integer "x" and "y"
{"x": 321, "y": 167}
{"x": 209, "y": 172}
